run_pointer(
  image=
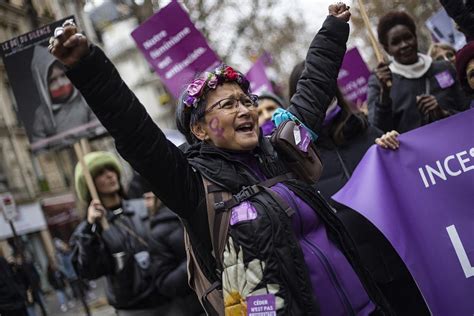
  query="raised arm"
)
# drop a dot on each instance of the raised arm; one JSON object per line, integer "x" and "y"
{"x": 137, "y": 137}
{"x": 317, "y": 85}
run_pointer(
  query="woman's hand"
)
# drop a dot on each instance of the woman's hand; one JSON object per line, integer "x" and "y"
{"x": 389, "y": 140}
{"x": 384, "y": 75}
{"x": 67, "y": 45}
{"x": 95, "y": 212}
{"x": 340, "y": 10}
{"x": 429, "y": 106}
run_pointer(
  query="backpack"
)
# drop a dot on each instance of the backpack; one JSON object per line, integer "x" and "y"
{"x": 219, "y": 204}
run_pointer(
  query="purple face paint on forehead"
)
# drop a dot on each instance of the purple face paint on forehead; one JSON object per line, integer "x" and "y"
{"x": 214, "y": 126}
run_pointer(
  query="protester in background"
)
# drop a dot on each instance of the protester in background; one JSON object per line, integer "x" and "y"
{"x": 465, "y": 70}
{"x": 167, "y": 233}
{"x": 57, "y": 280}
{"x": 462, "y": 12}
{"x": 420, "y": 91}
{"x": 12, "y": 294}
{"x": 442, "y": 51}
{"x": 62, "y": 106}
{"x": 29, "y": 276}
{"x": 344, "y": 139}
{"x": 124, "y": 253}
{"x": 268, "y": 102}
{"x": 64, "y": 259}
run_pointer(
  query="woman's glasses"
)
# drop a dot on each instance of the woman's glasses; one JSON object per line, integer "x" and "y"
{"x": 231, "y": 103}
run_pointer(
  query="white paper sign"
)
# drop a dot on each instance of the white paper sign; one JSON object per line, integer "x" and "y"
{"x": 443, "y": 29}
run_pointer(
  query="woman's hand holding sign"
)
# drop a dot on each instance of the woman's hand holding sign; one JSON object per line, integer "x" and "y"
{"x": 67, "y": 45}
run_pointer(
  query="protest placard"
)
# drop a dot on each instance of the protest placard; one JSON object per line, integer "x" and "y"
{"x": 174, "y": 47}
{"x": 353, "y": 77}
{"x": 52, "y": 110}
{"x": 258, "y": 77}
{"x": 420, "y": 197}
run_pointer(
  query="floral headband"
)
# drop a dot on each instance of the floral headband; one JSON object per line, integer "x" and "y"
{"x": 210, "y": 80}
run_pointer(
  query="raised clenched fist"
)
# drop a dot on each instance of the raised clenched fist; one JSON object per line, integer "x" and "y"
{"x": 67, "y": 45}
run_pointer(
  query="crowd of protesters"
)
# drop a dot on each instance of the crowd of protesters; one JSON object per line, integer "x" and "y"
{"x": 227, "y": 215}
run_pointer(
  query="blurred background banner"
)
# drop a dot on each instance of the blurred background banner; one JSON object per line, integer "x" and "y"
{"x": 174, "y": 47}
{"x": 354, "y": 77}
{"x": 257, "y": 76}
{"x": 52, "y": 111}
{"x": 443, "y": 29}
{"x": 421, "y": 200}
{"x": 30, "y": 219}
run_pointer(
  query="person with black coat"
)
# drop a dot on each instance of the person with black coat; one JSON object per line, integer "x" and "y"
{"x": 297, "y": 260}
{"x": 411, "y": 90}
{"x": 124, "y": 253}
{"x": 12, "y": 293}
{"x": 167, "y": 232}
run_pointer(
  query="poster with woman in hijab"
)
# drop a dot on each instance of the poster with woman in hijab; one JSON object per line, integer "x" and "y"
{"x": 52, "y": 110}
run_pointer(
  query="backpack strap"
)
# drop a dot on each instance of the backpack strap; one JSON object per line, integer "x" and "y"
{"x": 218, "y": 221}
{"x": 250, "y": 191}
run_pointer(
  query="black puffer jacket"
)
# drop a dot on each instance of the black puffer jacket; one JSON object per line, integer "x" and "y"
{"x": 167, "y": 232}
{"x": 129, "y": 287}
{"x": 12, "y": 292}
{"x": 180, "y": 186}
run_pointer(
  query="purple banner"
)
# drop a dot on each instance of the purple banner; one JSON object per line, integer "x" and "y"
{"x": 258, "y": 77}
{"x": 353, "y": 77}
{"x": 174, "y": 47}
{"x": 422, "y": 198}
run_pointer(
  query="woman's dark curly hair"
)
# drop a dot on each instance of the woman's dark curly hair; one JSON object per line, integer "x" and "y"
{"x": 391, "y": 19}
{"x": 191, "y": 108}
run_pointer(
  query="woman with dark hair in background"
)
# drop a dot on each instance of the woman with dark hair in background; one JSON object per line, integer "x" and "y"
{"x": 421, "y": 90}
{"x": 344, "y": 139}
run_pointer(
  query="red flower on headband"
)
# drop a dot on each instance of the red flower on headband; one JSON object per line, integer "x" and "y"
{"x": 230, "y": 73}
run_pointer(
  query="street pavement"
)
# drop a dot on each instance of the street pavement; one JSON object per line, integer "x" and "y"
{"x": 97, "y": 303}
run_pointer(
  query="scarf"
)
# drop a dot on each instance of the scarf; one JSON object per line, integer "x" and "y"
{"x": 413, "y": 71}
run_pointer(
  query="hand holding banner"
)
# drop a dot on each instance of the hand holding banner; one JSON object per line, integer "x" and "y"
{"x": 421, "y": 198}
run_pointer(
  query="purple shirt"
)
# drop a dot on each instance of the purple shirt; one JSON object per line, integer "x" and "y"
{"x": 335, "y": 284}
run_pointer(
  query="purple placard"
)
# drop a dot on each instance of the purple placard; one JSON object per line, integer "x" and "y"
{"x": 353, "y": 77}
{"x": 174, "y": 47}
{"x": 421, "y": 198}
{"x": 261, "y": 305}
{"x": 258, "y": 77}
